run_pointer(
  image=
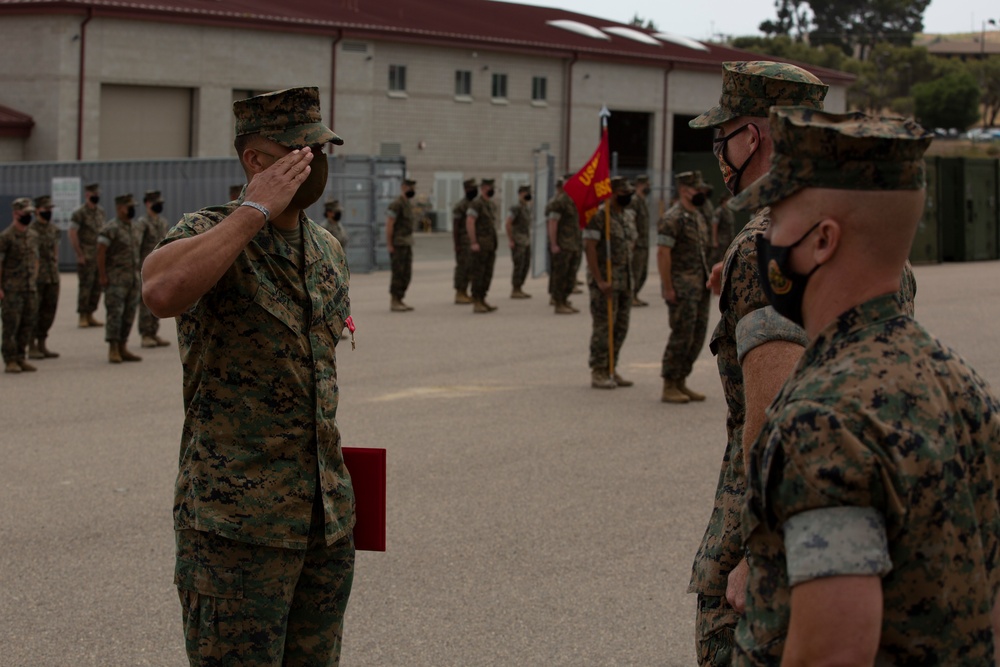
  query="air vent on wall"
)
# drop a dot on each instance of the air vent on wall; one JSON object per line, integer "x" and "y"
{"x": 355, "y": 47}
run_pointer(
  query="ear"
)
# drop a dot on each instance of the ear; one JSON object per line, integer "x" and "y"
{"x": 827, "y": 240}
{"x": 251, "y": 159}
{"x": 755, "y": 138}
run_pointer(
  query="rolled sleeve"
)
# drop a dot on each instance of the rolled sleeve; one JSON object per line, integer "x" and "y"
{"x": 472, "y": 213}
{"x": 391, "y": 214}
{"x": 103, "y": 240}
{"x": 591, "y": 235}
{"x": 554, "y": 216}
{"x": 836, "y": 541}
{"x": 665, "y": 240}
{"x": 765, "y": 325}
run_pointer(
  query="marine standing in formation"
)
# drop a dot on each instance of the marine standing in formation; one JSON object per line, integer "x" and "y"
{"x": 460, "y": 236}
{"x": 723, "y": 228}
{"x": 619, "y": 290}
{"x": 264, "y": 507}
{"x": 481, "y": 225}
{"x": 118, "y": 271}
{"x": 48, "y": 278}
{"x": 872, "y": 525}
{"x": 85, "y": 224}
{"x": 152, "y": 227}
{"x": 518, "y": 226}
{"x": 682, "y": 258}
{"x": 399, "y": 220}
{"x": 332, "y": 214}
{"x": 640, "y": 252}
{"x": 565, "y": 246}
{"x": 18, "y": 286}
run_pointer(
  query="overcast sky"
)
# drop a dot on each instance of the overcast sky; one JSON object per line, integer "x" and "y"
{"x": 741, "y": 17}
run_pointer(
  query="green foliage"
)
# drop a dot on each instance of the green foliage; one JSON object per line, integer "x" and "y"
{"x": 987, "y": 73}
{"x": 948, "y": 101}
{"x": 784, "y": 47}
{"x": 640, "y": 22}
{"x": 793, "y": 20}
{"x": 888, "y": 76}
{"x": 859, "y": 26}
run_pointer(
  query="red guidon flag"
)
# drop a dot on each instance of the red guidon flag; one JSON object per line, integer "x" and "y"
{"x": 592, "y": 184}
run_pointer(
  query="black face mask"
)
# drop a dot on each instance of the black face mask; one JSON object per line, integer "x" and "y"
{"x": 130, "y": 213}
{"x": 157, "y": 208}
{"x": 783, "y": 287}
{"x": 730, "y": 173}
{"x": 337, "y": 215}
{"x": 698, "y": 199}
{"x": 645, "y": 192}
{"x": 623, "y": 200}
{"x": 410, "y": 194}
{"x": 94, "y": 199}
{"x": 490, "y": 192}
{"x": 527, "y": 197}
{"x": 24, "y": 218}
{"x": 45, "y": 215}
{"x": 470, "y": 194}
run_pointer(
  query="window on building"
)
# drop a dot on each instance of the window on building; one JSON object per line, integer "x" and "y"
{"x": 499, "y": 86}
{"x": 538, "y": 89}
{"x": 397, "y": 78}
{"x": 463, "y": 82}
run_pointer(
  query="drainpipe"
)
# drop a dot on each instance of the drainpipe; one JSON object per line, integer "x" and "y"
{"x": 79, "y": 108}
{"x": 569, "y": 110}
{"x": 665, "y": 143}
{"x": 333, "y": 81}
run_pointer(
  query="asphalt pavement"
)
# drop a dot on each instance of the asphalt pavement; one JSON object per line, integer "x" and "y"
{"x": 532, "y": 520}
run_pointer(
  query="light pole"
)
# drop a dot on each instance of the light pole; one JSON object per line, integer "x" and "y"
{"x": 982, "y": 64}
{"x": 982, "y": 38}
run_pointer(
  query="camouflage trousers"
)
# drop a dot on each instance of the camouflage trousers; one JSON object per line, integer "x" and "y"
{"x": 253, "y": 606}
{"x": 90, "y": 287}
{"x": 48, "y": 301}
{"x": 120, "y": 301}
{"x": 564, "y": 268}
{"x": 521, "y": 257}
{"x": 714, "y": 630}
{"x": 621, "y": 309}
{"x": 461, "y": 260}
{"x": 481, "y": 271}
{"x": 18, "y": 311}
{"x": 402, "y": 270}
{"x": 149, "y": 324}
{"x": 688, "y": 326}
{"x": 640, "y": 267}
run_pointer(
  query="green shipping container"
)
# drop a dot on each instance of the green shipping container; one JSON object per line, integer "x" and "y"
{"x": 967, "y": 209}
{"x": 926, "y": 247}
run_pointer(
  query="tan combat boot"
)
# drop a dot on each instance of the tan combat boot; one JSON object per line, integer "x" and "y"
{"x": 114, "y": 354}
{"x": 672, "y": 393}
{"x": 599, "y": 379}
{"x": 126, "y": 355}
{"x": 25, "y": 366}
{"x": 34, "y": 352}
{"x": 638, "y": 303}
{"x": 564, "y": 309}
{"x": 518, "y": 293}
{"x": 396, "y": 306}
{"x": 46, "y": 352}
{"x": 622, "y": 382}
{"x": 92, "y": 322}
{"x": 84, "y": 322}
{"x": 160, "y": 342}
{"x": 11, "y": 367}
{"x": 406, "y": 305}
{"x": 461, "y": 298}
{"x": 479, "y": 306}
{"x": 693, "y": 395}
{"x": 148, "y": 341}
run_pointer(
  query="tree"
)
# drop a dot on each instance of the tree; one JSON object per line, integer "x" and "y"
{"x": 784, "y": 47}
{"x": 640, "y": 22}
{"x": 948, "y": 101}
{"x": 858, "y": 26}
{"x": 884, "y": 80}
{"x": 792, "y": 21}
{"x": 987, "y": 73}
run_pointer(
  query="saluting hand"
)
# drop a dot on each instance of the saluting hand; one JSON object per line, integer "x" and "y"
{"x": 274, "y": 187}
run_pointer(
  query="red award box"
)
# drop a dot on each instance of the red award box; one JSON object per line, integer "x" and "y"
{"x": 367, "y": 468}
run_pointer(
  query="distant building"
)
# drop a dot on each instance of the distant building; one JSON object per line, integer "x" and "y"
{"x": 972, "y": 47}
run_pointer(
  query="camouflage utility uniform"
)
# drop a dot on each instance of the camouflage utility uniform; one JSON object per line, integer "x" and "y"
{"x": 481, "y": 265}
{"x": 401, "y": 212}
{"x": 461, "y": 240}
{"x": 521, "y": 253}
{"x": 121, "y": 264}
{"x": 262, "y": 490}
{"x": 724, "y": 223}
{"x": 640, "y": 254}
{"x": 19, "y": 308}
{"x": 856, "y": 466}
{"x": 88, "y": 222}
{"x": 686, "y": 234}
{"x": 152, "y": 229}
{"x": 621, "y": 286}
{"x": 48, "y": 276}
{"x": 566, "y": 262}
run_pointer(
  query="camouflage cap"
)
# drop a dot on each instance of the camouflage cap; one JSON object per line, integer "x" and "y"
{"x": 851, "y": 151}
{"x": 44, "y": 201}
{"x": 125, "y": 200}
{"x": 641, "y": 178}
{"x": 331, "y": 205}
{"x": 470, "y": 183}
{"x": 523, "y": 188}
{"x": 689, "y": 178}
{"x": 92, "y": 187}
{"x": 289, "y": 117}
{"x": 620, "y": 184}
{"x": 488, "y": 181}
{"x": 751, "y": 88}
{"x": 153, "y": 197}
{"x": 23, "y": 204}
{"x": 409, "y": 181}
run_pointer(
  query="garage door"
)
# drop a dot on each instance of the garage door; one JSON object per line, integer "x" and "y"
{"x": 145, "y": 122}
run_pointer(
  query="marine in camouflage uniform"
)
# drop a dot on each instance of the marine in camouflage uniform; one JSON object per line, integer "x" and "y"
{"x": 872, "y": 492}
{"x": 566, "y": 246}
{"x": 747, "y": 323}
{"x": 640, "y": 253}
{"x": 152, "y": 227}
{"x": 264, "y": 508}
{"x": 723, "y": 229}
{"x": 518, "y": 225}
{"x": 481, "y": 226}
{"x": 18, "y": 286}
{"x": 332, "y": 214}
{"x": 85, "y": 224}
{"x": 682, "y": 257}
{"x": 118, "y": 268}
{"x": 618, "y": 290}
{"x": 399, "y": 239}
{"x": 48, "y": 278}
{"x": 461, "y": 239}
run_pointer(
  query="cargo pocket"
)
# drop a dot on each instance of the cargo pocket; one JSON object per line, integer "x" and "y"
{"x": 211, "y": 605}
{"x": 715, "y": 627}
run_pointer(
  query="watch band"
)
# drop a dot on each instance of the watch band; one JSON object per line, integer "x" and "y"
{"x": 259, "y": 207}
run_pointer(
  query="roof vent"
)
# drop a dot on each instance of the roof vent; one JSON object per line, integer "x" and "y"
{"x": 632, "y": 34}
{"x": 686, "y": 42}
{"x": 579, "y": 28}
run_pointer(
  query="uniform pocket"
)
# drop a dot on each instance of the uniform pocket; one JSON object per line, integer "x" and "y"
{"x": 211, "y": 605}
